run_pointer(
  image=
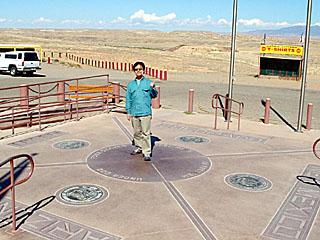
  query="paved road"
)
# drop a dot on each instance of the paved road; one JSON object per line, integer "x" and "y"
{"x": 174, "y": 94}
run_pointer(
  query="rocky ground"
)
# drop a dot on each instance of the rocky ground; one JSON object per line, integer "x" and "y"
{"x": 199, "y": 59}
{"x": 177, "y": 51}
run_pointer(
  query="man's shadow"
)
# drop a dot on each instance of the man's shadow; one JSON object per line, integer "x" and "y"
{"x": 154, "y": 139}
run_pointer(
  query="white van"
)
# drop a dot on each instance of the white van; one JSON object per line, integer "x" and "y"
{"x": 19, "y": 62}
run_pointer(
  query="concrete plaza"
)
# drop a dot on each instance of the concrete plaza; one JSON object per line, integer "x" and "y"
{"x": 201, "y": 184}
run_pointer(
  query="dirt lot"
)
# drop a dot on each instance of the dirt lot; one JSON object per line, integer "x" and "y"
{"x": 178, "y": 51}
{"x": 198, "y": 60}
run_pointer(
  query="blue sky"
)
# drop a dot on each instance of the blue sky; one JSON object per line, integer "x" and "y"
{"x": 164, "y": 15}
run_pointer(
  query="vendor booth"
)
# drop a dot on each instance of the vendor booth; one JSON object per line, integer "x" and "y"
{"x": 281, "y": 61}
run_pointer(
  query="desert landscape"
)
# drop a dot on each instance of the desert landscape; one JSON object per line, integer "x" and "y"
{"x": 180, "y": 52}
{"x": 200, "y": 59}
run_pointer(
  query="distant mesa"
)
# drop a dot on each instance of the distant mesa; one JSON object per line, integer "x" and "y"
{"x": 290, "y": 32}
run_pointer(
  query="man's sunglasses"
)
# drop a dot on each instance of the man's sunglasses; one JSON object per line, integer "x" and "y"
{"x": 138, "y": 69}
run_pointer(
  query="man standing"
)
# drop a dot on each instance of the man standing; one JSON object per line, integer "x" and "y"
{"x": 140, "y": 91}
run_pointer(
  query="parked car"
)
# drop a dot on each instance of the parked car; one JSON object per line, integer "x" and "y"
{"x": 19, "y": 62}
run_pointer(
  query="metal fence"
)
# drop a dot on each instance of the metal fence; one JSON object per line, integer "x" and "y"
{"x": 42, "y": 103}
{"x": 227, "y": 109}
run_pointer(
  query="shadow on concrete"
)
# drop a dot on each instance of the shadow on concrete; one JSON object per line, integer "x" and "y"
{"x": 154, "y": 139}
{"x": 308, "y": 180}
{"x": 263, "y": 102}
{"x": 37, "y": 75}
{"x": 5, "y": 179}
{"x": 24, "y": 214}
{"x": 223, "y": 111}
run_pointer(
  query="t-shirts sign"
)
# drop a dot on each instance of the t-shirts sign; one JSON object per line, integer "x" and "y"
{"x": 278, "y": 49}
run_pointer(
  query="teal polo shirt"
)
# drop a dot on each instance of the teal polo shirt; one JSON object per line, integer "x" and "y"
{"x": 139, "y": 97}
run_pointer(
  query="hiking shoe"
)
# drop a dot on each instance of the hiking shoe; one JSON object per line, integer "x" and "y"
{"x": 136, "y": 151}
{"x": 147, "y": 158}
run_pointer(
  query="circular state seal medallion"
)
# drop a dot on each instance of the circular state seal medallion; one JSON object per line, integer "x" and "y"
{"x": 71, "y": 144}
{"x": 248, "y": 182}
{"x": 170, "y": 163}
{"x": 81, "y": 194}
{"x": 193, "y": 139}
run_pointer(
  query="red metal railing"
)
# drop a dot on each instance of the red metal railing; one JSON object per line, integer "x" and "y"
{"x": 314, "y": 148}
{"x": 13, "y": 183}
{"x": 226, "y": 109}
{"x": 25, "y": 110}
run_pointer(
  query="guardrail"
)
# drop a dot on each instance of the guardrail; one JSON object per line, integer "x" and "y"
{"x": 154, "y": 72}
{"x": 314, "y": 148}
{"x": 227, "y": 110}
{"x": 13, "y": 183}
{"x": 40, "y": 106}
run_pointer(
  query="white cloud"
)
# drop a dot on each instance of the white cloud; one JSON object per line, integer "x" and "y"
{"x": 4, "y": 20}
{"x": 183, "y": 22}
{"x": 246, "y": 23}
{"x": 43, "y": 20}
{"x": 200, "y": 21}
{"x": 251, "y": 22}
{"x": 197, "y": 21}
{"x": 142, "y": 19}
{"x": 76, "y": 22}
{"x": 259, "y": 23}
{"x": 119, "y": 20}
{"x": 242, "y": 23}
{"x": 141, "y": 16}
{"x": 223, "y": 21}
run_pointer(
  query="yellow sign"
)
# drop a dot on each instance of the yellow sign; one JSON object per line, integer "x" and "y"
{"x": 287, "y": 50}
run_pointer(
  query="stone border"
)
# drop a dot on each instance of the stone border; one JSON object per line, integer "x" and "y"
{"x": 295, "y": 217}
{"x": 36, "y": 139}
{"x": 217, "y": 133}
{"x": 51, "y": 226}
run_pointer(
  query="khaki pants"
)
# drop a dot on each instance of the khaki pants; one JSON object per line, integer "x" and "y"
{"x": 141, "y": 127}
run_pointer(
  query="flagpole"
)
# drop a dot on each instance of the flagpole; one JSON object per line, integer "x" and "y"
{"x": 305, "y": 64}
{"x": 232, "y": 57}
